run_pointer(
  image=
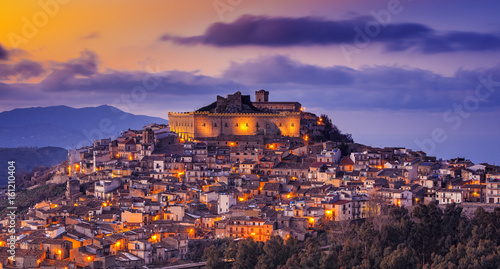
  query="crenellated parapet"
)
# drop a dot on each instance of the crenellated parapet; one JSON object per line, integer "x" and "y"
{"x": 239, "y": 114}
{"x": 213, "y": 122}
{"x": 180, "y": 113}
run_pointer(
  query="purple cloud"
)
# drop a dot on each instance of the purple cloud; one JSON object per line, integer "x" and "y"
{"x": 282, "y": 69}
{"x": 388, "y": 87}
{"x": 22, "y": 70}
{"x": 82, "y": 75}
{"x": 92, "y": 35}
{"x": 267, "y": 31}
{"x": 306, "y": 31}
{"x": 84, "y": 66}
{"x": 338, "y": 87}
{"x": 4, "y": 54}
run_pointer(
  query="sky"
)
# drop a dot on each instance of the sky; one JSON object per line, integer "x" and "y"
{"x": 420, "y": 74}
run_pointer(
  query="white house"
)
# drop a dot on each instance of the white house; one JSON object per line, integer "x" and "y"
{"x": 448, "y": 196}
{"x": 103, "y": 188}
{"x": 224, "y": 202}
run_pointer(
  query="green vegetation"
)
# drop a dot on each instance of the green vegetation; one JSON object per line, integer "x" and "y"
{"x": 333, "y": 133}
{"x": 28, "y": 198}
{"x": 427, "y": 238}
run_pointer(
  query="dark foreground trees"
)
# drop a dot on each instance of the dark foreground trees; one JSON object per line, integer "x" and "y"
{"x": 427, "y": 238}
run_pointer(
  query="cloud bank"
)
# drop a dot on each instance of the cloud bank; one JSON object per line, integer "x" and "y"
{"x": 249, "y": 30}
{"x": 326, "y": 87}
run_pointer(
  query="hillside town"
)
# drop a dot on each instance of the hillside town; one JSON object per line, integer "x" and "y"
{"x": 154, "y": 197}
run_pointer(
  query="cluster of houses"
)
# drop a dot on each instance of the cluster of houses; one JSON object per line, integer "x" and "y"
{"x": 150, "y": 198}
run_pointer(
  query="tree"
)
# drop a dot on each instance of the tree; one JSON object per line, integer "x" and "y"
{"x": 311, "y": 256}
{"x": 231, "y": 250}
{"x": 454, "y": 227}
{"x": 351, "y": 255}
{"x": 213, "y": 256}
{"x": 427, "y": 231}
{"x": 275, "y": 253}
{"x": 331, "y": 132}
{"x": 247, "y": 254}
{"x": 292, "y": 263}
{"x": 403, "y": 257}
{"x": 331, "y": 260}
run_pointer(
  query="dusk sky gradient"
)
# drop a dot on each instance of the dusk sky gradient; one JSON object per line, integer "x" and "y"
{"x": 429, "y": 67}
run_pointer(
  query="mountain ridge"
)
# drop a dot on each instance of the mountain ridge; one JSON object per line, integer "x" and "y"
{"x": 66, "y": 127}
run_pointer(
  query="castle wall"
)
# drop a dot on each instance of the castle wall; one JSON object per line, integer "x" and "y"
{"x": 182, "y": 124}
{"x": 278, "y": 106}
{"x": 204, "y": 124}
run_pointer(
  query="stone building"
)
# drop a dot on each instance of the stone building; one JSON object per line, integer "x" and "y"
{"x": 237, "y": 115}
{"x": 262, "y": 103}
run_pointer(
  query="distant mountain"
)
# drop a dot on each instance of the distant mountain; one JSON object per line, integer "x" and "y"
{"x": 66, "y": 127}
{"x": 28, "y": 158}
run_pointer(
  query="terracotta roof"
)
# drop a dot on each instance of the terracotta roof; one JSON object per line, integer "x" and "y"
{"x": 340, "y": 202}
{"x": 271, "y": 187}
{"x": 318, "y": 164}
{"x": 346, "y": 161}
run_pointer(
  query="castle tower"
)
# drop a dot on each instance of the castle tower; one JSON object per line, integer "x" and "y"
{"x": 261, "y": 96}
{"x": 234, "y": 102}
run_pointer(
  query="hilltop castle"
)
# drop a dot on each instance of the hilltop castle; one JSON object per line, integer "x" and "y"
{"x": 238, "y": 115}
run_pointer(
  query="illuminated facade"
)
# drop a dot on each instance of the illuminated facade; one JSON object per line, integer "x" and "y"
{"x": 243, "y": 227}
{"x": 236, "y": 115}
